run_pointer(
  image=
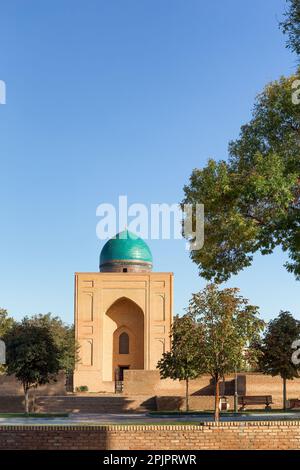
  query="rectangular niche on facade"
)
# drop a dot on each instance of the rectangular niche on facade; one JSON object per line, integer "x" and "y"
{"x": 86, "y": 330}
{"x": 86, "y": 352}
{"x": 86, "y": 307}
{"x": 159, "y": 349}
{"x": 159, "y": 329}
{"x": 88, "y": 283}
{"x": 159, "y": 307}
{"x": 159, "y": 284}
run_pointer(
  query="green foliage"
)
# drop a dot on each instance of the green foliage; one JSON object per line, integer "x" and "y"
{"x": 63, "y": 337}
{"x": 183, "y": 361}
{"x": 31, "y": 355}
{"x": 253, "y": 356}
{"x": 5, "y": 322}
{"x": 276, "y": 347}
{"x": 82, "y": 388}
{"x": 228, "y": 325}
{"x": 252, "y": 201}
{"x": 291, "y": 26}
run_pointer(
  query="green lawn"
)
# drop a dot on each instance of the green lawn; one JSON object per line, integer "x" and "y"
{"x": 34, "y": 415}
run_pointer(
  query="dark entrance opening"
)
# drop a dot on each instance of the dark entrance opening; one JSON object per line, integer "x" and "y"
{"x": 121, "y": 372}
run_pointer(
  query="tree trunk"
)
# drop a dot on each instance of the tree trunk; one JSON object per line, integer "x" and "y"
{"x": 187, "y": 394}
{"x": 217, "y": 399}
{"x": 284, "y": 394}
{"x": 26, "y": 393}
{"x": 33, "y": 399}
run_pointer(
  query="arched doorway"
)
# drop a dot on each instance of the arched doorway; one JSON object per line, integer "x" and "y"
{"x": 125, "y": 320}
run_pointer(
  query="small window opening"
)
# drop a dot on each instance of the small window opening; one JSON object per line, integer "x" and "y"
{"x": 124, "y": 343}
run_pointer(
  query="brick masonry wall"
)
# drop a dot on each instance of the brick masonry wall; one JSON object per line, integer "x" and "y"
{"x": 9, "y": 386}
{"x": 95, "y": 404}
{"x": 196, "y": 403}
{"x": 80, "y": 404}
{"x": 149, "y": 382}
{"x": 223, "y": 436}
{"x": 259, "y": 384}
{"x": 140, "y": 388}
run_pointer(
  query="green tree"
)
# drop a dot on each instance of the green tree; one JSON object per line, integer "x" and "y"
{"x": 276, "y": 348}
{"x": 6, "y": 322}
{"x": 291, "y": 26}
{"x": 63, "y": 336}
{"x": 228, "y": 325}
{"x": 183, "y": 361}
{"x": 31, "y": 355}
{"x": 252, "y": 201}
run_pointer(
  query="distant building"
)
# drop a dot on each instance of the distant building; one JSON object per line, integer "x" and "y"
{"x": 123, "y": 314}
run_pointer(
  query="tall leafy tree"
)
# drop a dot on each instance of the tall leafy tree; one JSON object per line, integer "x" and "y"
{"x": 63, "y": 336}
{"x": 228, "y": 325}
{"x": 252, "y": 200}
{"x": 31, "y": 355}
{"x": 276, "y": 348}
{"x": 183, "y": 361}
{"x": 291, "y": 25}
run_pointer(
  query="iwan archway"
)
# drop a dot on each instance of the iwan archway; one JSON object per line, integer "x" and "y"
{"x": 125, "y": 322}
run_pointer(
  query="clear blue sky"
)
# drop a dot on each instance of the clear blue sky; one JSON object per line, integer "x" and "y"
{"x": 122, "y": 97}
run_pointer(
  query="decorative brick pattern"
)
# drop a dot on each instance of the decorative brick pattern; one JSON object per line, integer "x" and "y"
{"x": 223, "y": 436}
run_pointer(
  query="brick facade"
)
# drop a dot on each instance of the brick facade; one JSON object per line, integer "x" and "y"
{"x": 208, "y": 436}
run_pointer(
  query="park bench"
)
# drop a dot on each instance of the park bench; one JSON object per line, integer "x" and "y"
{"x": 245, "y": 400}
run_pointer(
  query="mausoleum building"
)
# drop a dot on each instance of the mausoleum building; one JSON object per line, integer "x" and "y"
{"x": 123, "y": 314}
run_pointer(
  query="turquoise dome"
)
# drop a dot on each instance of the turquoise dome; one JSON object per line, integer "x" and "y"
{"x": 125, "y": 246}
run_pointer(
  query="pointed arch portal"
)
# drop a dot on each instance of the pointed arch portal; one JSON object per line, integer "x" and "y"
{"x": 124, "y": 344}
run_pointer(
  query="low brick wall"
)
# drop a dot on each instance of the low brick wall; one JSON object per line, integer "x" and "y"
{"x": 80, "y": 404}
{"x": 195, "y": 403}
{"x": 10, "y": 386}
{"x": 95, "y": 404}
{"x": 148, "y": 382}
{"x": 209, "y": 436}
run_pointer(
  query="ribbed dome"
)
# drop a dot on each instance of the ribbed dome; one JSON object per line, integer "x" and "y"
{"x": 125, "y": 250}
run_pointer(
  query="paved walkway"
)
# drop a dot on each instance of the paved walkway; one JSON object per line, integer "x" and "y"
{"x": 141, "y": 418}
